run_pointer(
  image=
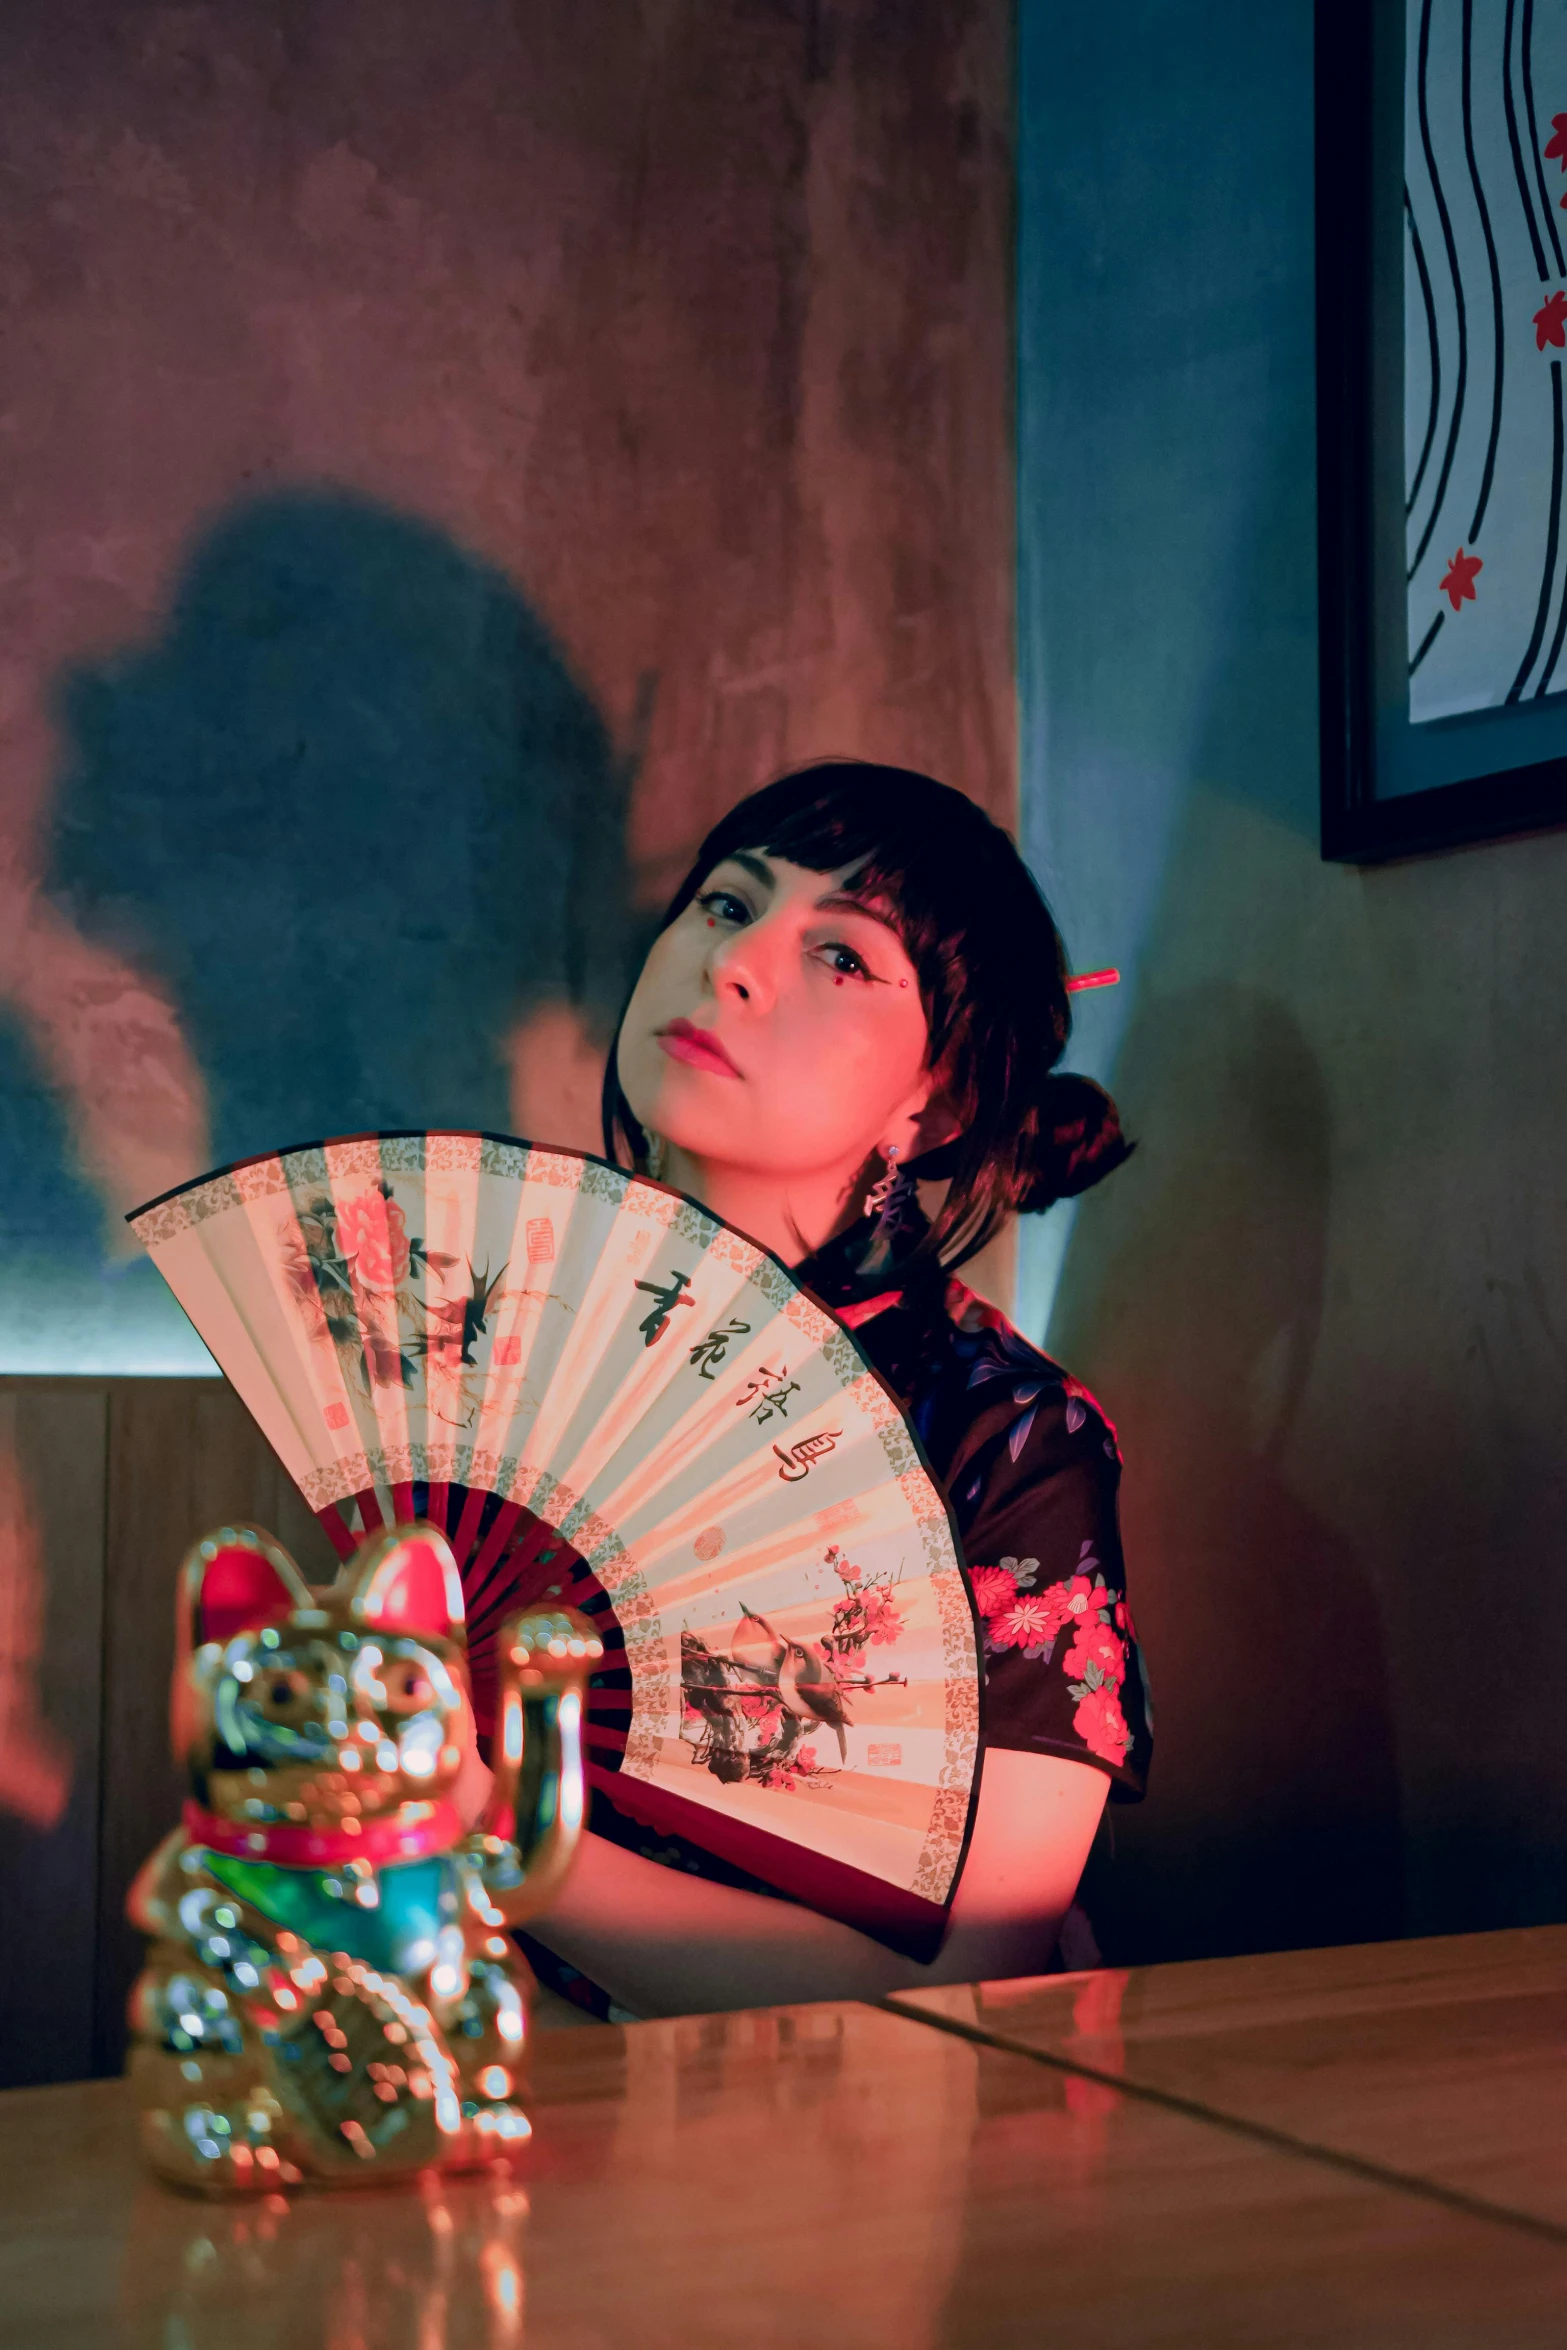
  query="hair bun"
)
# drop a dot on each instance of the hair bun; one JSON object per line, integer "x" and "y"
{"x": 1079, "y": 1142}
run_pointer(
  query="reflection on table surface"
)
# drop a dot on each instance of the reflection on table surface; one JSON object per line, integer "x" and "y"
{"x": 1444, "y": 2058}
{"x": 835, "y": 2174}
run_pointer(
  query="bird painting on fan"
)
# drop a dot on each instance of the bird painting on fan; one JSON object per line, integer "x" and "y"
{"x": 464, "y": 1320}
{"x": 808, "y": 1688}
{"x": 748, "y": 1706}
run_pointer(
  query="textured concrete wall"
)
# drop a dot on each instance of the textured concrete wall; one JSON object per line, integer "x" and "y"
{"x": 1325, "y": 1301}
{"x": 447, "y": 455}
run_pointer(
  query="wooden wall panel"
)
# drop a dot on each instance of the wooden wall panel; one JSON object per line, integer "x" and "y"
{"x": 104, "y": 1484}
{"x": 183, "y": 1456}
{"x": 52, "y": 1455}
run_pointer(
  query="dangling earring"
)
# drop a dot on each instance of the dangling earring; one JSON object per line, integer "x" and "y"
{"x": 889, "y": 1200}
{"x": 881, "y": 1192}
{"x": 653, "y": 1158}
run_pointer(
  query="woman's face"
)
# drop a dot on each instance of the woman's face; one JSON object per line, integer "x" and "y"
{"x": 777, "y": 1028}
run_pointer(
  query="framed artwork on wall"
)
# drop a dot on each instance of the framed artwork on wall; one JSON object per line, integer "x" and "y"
{"x": 1441, "y": 355}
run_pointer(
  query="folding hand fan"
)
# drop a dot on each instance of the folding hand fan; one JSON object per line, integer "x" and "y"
{"x": 602, "y": 1393}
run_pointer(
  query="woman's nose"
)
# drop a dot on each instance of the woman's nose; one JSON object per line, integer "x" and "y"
{"x": 741, "y": 966}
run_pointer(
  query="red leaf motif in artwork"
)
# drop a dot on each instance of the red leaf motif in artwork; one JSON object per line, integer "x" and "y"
{"x": 1458, "y": 581}
{"x": 1550, "y": 322}
{"x": 1556, "y": 145}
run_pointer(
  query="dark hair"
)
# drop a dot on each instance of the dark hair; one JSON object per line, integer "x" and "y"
{"x": 992, "y": 973}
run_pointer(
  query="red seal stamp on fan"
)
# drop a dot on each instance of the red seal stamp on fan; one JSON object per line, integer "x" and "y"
{"x": 508, "y": 1353}
{"x": 336, "y": 1415}
{"x": 709, "y": 1543}
{"x": 541, "y": 1240}
{"x": 884, "y": 1757}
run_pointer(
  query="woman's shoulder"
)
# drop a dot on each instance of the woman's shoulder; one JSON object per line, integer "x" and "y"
{"x": 1005, "y": 1374}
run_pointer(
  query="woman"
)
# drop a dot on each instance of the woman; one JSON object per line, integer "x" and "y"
{"x": 857, "y": 997}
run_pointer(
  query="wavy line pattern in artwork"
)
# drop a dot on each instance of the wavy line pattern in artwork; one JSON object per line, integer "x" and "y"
{"x": 1553, "y": 530}
{"x": 1525, "y": 197}
{"x": 1527, "y": 59}
{"x": 1543, "y": 684}
{"x": 1485, "y": 422}
{"x": 1498, "y": 348}
{"x": 1450, "y": 247}
{"x": 1434, "y": 350}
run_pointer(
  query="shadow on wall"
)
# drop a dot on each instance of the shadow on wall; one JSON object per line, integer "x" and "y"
{"x": 1273, "y": 1819}
{"x": 356, "y": 814}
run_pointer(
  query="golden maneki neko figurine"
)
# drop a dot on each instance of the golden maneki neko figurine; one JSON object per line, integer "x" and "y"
{"x": 332, "y": 1994}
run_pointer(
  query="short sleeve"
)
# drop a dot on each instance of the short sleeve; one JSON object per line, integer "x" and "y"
{"x": 1063, "y": 1672}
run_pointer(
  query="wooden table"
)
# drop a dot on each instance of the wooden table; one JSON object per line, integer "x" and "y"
{"x": 835, "y": 2175}
{"x": 1441, "y": 2063}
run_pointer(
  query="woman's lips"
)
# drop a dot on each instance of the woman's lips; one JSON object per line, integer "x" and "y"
{"x": 684, "y": 1042}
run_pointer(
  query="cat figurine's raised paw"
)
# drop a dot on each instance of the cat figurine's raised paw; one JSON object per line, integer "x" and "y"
{"x": 333, "y": 1993}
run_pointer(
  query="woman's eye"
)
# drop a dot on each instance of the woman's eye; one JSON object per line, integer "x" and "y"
{"x": 724, "y": 906}
{"x": 844, "y": 963}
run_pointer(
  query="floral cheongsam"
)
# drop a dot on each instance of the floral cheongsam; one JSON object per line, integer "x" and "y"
{"x": 1031, "y": 1470}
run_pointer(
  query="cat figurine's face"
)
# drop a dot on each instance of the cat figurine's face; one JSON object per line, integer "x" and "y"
{"x": 322, "y": 1710}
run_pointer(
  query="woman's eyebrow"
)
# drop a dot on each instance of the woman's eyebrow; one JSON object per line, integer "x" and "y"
{"x": 757, "y": 867}
{"x": 844, "y": 901}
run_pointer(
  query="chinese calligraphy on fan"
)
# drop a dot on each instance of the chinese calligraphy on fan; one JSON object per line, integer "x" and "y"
{"x": 666, "y": 1295}
{"x": 767, "y": 1393}
{"x": 709, "y": 1352}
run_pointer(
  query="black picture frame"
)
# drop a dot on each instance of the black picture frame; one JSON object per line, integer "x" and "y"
{"x": 1363, "y": 626}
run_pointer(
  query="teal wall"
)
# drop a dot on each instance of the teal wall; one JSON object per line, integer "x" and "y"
{"x": 1325, "y": 1300}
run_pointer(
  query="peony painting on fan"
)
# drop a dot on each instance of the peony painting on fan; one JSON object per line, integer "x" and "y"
{"x": 609, "y": 1399}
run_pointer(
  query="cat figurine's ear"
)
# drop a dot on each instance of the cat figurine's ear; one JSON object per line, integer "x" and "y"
{"x": 406, "y": 1580}
{"x": 236, "y": 1579}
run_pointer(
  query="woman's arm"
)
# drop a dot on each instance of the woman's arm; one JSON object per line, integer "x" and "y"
{"x": 665, "y": 1944}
